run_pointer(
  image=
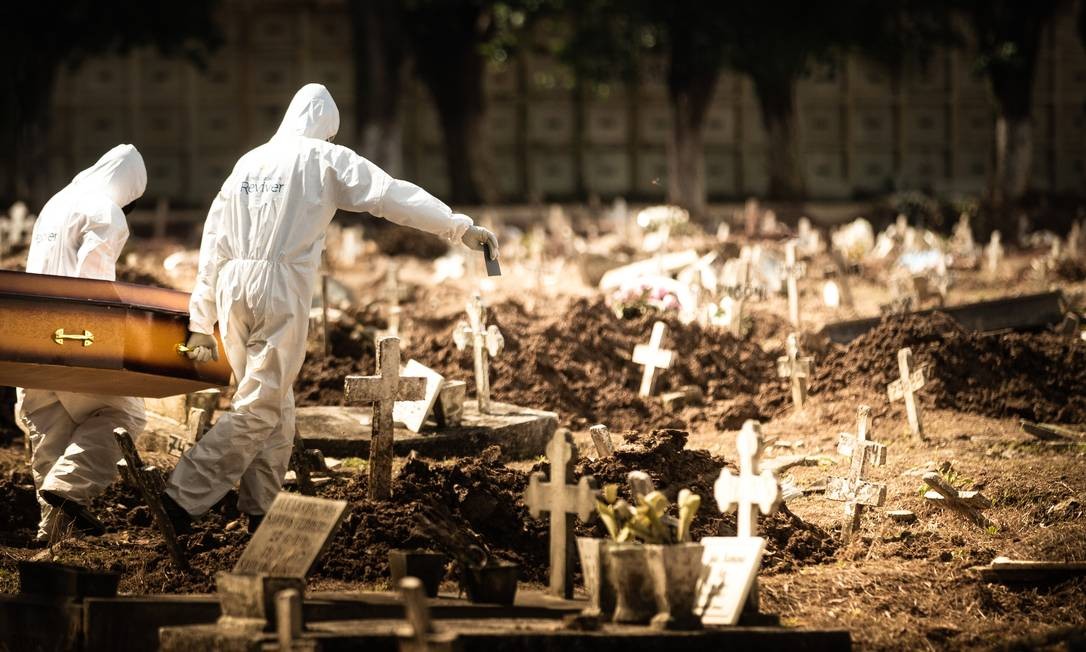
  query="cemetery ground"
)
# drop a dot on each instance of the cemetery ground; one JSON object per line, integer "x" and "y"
{"x": 902, "y": 583}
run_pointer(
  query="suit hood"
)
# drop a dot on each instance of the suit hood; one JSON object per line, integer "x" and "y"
{"x": 120, "y": 174}
{"x": 312, "y": 113}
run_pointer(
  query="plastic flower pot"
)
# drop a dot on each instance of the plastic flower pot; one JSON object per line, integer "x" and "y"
{"x": 495, "y": 583}
{"x": 675, "y": 571}
{"x": 595, "y": 568}
{"x": 632, "y": 582}
{"x": 427, "y": 566}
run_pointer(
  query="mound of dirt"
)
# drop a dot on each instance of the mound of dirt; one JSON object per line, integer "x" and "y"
{"x": 1038, "y": 376}
{"x": 576, "y": 360}
{"x": 19, "y": 515}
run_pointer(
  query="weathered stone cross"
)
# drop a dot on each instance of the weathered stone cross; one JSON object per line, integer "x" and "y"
{"x": 905, "y": 388}
{"x": 601, "y": 437}
{"x": 420, "y": 634}
{"x": 751, "y": 488}
{"x": 486, "y": 341}
{"x": 149, "y": 482}
{"x": 797, "y": 367}
{"x": 854, "y": 491}
{"x": 652, "y": 356}
{"x": 382, "y": 391}
{"x": 562, "y": 501}
{"x": 793, "y": 271}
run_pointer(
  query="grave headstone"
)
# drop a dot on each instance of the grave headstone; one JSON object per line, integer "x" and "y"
{"x": 966, "y": 503}
{"x": 652, "y": 357}
{"x": 601, "y": 437}
{"x": 905, "y": 387}
{"x": 562, "y": 501}
{"x": 853, "y": 490}
{"x": 413, "y": 414}
{"x": 796, "y": 368}
{"x": 739, "y": 289}
{"x": 293, "y": 534}
{"x": 148, "y": 481}
{"x": 750, "y": 491}
{"x": 486, "y": 342}
{"x": 382, "y": 391}
{"x": 449, "y": 407}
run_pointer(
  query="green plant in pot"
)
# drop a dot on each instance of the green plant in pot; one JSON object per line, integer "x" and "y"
{"x": 652, "y": 566}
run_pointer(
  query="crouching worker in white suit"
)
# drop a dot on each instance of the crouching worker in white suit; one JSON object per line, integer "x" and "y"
{"x": 74, "y": 455}
{"x": 259, "y": 259}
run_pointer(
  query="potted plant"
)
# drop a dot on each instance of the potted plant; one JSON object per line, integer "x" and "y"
{"x": 651, "y": 565}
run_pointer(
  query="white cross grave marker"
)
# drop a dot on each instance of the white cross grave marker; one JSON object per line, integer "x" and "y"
{"x": 382, "y": 391}
{"x": 562, "y": 501}
{"x": 486, "y": 341}
{"x": 797, "y": 368}
{"x": 740, "y": 289}
{"x": 905, "y": 387}
{"x": 854, "y": 491}
{"x": 793, "y": 271}
{"x": 392, "y": 296}
{"x": 966, "y": 503}
{"x": 729, "y": 581}
{"x": 652, "y": 356}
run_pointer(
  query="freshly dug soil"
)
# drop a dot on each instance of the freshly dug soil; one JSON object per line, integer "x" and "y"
{"x": 1037, "y": 376}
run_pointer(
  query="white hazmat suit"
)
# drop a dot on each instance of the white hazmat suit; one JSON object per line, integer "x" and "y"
{"x": 80, "y": 232}
{"x": 259, "y": 259}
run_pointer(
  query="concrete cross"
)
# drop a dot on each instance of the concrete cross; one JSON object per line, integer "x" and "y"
{"x": 652, "y": 356}
{"x": 382, "y": 391}
{"x": 751, "y": 488}
{"x": 854, "y": 491}
{"x": 797, "y": 368}
{"x": 420, "y": 635}
{"x": 392, "y": 297}
{"x": 905, "y": 387}
{"x": 966, "y": 503}
{"x": 148, "y": 481}
{"x": 601, "y": 437}
{"x": 793, "y": 271}
{"x": 486, "y": 341}
{"x": 562, "y": 501}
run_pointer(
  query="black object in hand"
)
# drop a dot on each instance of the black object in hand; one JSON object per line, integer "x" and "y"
{"x": 492, "y": 266}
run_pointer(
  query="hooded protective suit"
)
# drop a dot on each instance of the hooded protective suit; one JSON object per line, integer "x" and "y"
{"x": 80, "y": 232}
{"x": 259, "y": 259}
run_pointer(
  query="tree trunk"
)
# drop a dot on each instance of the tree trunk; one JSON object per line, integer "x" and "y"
{"x": 1014, "y": 156}
{"x": 691, "y": 83}
{"x": 450, "y": 65}
{"x": 778, "y": 104}
{"x": 685, "y": 155}
{"x": 380, "y": 59}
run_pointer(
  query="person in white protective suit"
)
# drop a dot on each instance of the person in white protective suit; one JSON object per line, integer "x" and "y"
{"x": 80, "y": 232}
{"x": 259, "y": 259}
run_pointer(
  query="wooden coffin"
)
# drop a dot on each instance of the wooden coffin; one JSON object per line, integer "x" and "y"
{"x": 99, "y": 337}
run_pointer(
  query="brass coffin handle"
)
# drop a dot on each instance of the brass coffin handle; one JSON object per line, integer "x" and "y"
{"x": 87, "y": 337}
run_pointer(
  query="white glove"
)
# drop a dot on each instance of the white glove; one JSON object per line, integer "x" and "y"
{"x": 476, "y": 236}
{"x": 202, "y": 348}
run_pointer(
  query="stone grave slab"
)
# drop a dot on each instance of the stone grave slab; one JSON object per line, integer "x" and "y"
{"x": 345, "y": 432}
{"x": 292, "y": 536}
{"x": 730, "y": 567}
{"x": 412, "y": 414}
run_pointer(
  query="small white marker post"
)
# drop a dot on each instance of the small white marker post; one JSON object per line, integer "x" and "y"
{"x": 486, "y": 341}
{"x": 652, "y": 356}
{"x": 797, "y": 368}
{"x": 382, "y": 391}
{"x": 854, "y": 491}
{"x": 905, "y": 388}
{"x": 751, "y": 490}
{"x": 563, "y": 501}
{"x": 994, "y": 253}
{"x": 601, "y": 437}
{"x": 793, "y": 271}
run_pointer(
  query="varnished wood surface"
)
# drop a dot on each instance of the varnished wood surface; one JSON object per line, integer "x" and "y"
{"x": 136, "y": 332}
